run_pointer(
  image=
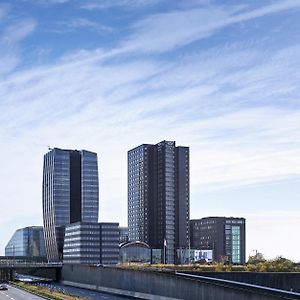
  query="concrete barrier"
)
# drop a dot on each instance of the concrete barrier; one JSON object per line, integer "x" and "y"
{"x": 159, "y": 285}
{"x": 289, "y": 281}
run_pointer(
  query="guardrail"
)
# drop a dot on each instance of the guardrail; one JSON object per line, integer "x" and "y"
{"x": 19, "y": 264}
{"x": 244, "y": 286}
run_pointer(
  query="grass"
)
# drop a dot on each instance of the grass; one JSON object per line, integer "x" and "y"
{"x": 45, "y": 292}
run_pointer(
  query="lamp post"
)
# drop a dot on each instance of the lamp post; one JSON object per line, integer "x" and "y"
{"x": 165, "y": 251}
{"x": 256, "y": 254}
{"x": 13, "y": 255}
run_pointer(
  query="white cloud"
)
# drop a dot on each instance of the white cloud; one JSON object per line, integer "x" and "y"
{"x": 166, "y": 31}
{"x": 107, "y": 4}
{"x": 3, "y": 11}
{"x": 12, "y": 36}
{"x": 81, "y": 23}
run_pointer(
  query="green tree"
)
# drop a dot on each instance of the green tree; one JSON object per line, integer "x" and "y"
{"x": 257, "y": 258}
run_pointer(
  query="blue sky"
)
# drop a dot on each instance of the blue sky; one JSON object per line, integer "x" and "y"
{"x": 219, "y": 76}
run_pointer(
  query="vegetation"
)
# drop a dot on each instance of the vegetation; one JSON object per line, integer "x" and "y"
{"x": 45, "y": 292}
{"x": 256, "y": 263}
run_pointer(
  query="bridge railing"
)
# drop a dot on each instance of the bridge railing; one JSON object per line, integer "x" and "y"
{"x": 15, "y": 264}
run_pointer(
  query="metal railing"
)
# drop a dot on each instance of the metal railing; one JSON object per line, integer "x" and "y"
{"x": 20, "y": 263}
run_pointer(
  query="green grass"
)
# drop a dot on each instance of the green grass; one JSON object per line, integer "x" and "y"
{"x": 45, "y": 292}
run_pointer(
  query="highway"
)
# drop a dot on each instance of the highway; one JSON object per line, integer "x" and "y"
{"x": 84, "y": 293}
{"x": 16, "y": 294}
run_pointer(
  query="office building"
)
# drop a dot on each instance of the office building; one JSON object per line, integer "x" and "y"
{"x": 225, "y": 236}
{"x": 28, "y": 242}
{"x": 91, "y": 243}
{"x": 158, "y": 196}
{"x": 137, "y": 252}
{"x": 123, "y": 234}
{"x": 70, "y": 194}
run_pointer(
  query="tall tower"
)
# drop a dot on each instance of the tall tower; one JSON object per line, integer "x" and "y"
{"x": 158, "y": 196}
{"x": 70, "y": 194}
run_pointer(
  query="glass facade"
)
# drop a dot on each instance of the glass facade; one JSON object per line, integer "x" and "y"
{"x": 166, "y": 197}
{"x": 91, "y": 243}
{"x": 90, "y": 188}
{"x": 123, "y": 234}
{"x": 135, "y": 252}
{"x": 27, "y": 242}
{"x": 236, "y": 244}
{"x": 70, "y": 194}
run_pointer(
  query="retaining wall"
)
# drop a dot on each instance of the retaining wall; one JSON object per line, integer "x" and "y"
{"x": 158, "y": 285}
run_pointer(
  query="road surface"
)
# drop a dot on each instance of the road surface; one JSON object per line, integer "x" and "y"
{"x": 84, "y": 293}
{"x": 16, "y": 294}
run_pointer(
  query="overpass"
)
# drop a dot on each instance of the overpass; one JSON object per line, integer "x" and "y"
{"x": 9, "y": 267}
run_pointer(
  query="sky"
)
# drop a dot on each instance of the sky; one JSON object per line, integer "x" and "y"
{"x": 221, "y": 77}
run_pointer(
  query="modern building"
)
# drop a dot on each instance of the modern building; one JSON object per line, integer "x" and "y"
{"x": 138, "y": 252}
{"x": 158, "y": 196}
{"x": 70, "y": 194}
{"x": 28, "y": 242}
{"x": 91, "y": 243}
{"x": 123, "y": 231}
{"x": 225, "y": 236}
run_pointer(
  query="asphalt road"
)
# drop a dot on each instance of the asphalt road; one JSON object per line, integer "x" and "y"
{"x": 84, "y": 293}
{"x": 17, "y": 294}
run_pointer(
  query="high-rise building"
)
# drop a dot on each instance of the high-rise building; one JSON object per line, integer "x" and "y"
{"x": 158, "y": 196}
{"x": 91, "y": 243}
{"x": 28, "y": 241}
{"x": 123, "y": 234}
{"x": 70, "y": 194}
{"x": 225, "y": 236}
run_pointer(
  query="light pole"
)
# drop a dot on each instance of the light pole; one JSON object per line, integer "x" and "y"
{"x": 13, "y": 255}
{"x": 256, "y": 254}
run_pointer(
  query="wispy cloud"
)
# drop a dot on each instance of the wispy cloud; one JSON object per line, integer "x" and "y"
{"x": 3, "y": 11}
{"x": 166, "y": 31}
{"x": 82, "y": 24}
{"x": 10, "y": 39}
{"x": 107, "y": 4}
{"x": 223, "y": 127}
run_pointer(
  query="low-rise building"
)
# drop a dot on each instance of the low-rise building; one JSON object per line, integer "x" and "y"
{"x": 135, "y": 252}
{"x": 91, "y": 243}
{"x": 27, "y": 242}
{"x": 224, "y": 236}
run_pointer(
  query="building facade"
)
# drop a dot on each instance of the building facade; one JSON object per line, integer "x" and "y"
{"x": 224, "y": 236}
{"x": 27, "y": 242}
{"x": 137, "y": 252}
{"x": 158, "y": 196}
{"x": 123, "y": 234}
{"x": 70, "y": 194}
{"x": 91, "y": 243}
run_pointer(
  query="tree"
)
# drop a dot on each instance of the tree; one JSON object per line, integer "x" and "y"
{"x": 257, "y": 258}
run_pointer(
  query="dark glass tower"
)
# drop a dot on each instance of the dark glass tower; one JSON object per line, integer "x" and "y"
{"x": 70, "y": 194}
{"x": 158, "y": 196}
